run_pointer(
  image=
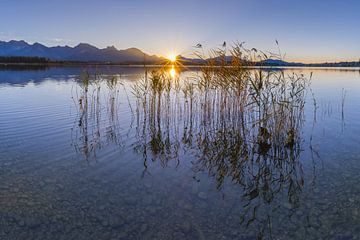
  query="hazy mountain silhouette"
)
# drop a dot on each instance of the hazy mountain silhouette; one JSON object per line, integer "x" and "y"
{"x": 84, "y": 52}
{"x": 81, "y": 52}
{"x": 273, "y": 62}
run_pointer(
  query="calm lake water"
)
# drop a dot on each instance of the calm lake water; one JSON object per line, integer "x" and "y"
{"x": 106, "y": 173}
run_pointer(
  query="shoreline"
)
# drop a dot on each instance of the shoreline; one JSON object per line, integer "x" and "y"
{"x": 74, "y": 64}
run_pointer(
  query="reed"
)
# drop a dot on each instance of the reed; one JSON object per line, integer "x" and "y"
{"x": 238, "y": 121}
{"x": 235, "y": 121}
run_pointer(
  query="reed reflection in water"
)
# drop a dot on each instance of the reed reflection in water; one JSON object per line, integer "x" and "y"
{"x": 238, "y": 124}
{"x": 91, "y": 132}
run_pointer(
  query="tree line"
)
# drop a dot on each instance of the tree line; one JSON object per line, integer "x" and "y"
{"x": 22, "y": 59}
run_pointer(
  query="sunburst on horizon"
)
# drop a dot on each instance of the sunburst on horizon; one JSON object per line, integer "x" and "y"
{"x": 172, "y": 57}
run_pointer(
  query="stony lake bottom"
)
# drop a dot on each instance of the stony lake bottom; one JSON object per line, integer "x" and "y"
{"x": 94, "y": 164}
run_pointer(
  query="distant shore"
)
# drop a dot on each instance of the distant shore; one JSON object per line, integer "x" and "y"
{"x": 41, "y": 62}
{"x": 76, "y": 64}
{"x": 48, "y": 66}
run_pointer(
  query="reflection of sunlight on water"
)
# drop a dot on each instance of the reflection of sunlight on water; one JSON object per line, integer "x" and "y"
{"x": 172, "y": 72}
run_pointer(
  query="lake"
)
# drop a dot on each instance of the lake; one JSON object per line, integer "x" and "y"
{"x": 97, "y": 161}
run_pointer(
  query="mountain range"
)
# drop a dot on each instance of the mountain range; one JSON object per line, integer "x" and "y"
{"x": 83, "y": 52}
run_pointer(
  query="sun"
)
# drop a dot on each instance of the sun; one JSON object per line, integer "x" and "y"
{"x": 172, "y": 57}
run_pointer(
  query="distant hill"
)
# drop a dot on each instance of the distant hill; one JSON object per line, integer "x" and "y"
{"x": 83, "y": 52}
{"x": 274, "y": 63}
{"x": 278, "y": 62}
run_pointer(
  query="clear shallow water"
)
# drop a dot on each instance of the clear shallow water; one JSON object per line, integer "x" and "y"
{"x": 66, "y": 176}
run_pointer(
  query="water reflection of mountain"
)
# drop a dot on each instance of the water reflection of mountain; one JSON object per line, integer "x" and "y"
{"x": 21, "y": 75}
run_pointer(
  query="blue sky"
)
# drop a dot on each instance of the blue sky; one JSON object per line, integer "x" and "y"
{"x": 307, "y": 30}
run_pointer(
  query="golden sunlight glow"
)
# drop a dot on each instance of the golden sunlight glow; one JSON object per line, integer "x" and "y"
{"x": 172, "y": 72}
{"x": 172, "y": 57}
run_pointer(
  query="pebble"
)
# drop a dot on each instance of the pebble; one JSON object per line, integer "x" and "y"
{"x": 202, "y": 195}
{"x": 148, "y": 185}
{"x": 105, "y": 223}
{"x": 143, "y": 227}
{"x": 122, "y": 235}
{"x": 116, "y": 222}
{"x": 186, "y": 226}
